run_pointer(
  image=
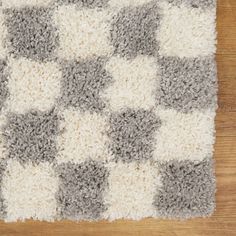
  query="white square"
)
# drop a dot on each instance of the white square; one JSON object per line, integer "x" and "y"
{"x": 83, "y": 33}
{"x": 3, "y": 149}
{"x": 132, "y": 188}
{"x": 24, "y": 3}
{"x": 33, "y": 85}
{"x": 186, "y": 32}
{"x": 83, "y": 137}
{"x": 135, "y": 83}
{"x": 184, "y": 136}
{"x": 29, "y": 191}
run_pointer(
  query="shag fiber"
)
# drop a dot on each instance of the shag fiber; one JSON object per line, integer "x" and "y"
{"x": 107, "y": 109}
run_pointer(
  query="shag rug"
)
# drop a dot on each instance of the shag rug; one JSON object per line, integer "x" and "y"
{"x": 107, "y": 109}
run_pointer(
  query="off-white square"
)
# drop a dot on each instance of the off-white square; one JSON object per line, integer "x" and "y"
{"x": 82, "y": 33}
{"x": 29, "y": 191}
{"x": 83, "y": 137}
{"x": 135, "y": 83}
{"x": 184, "y": 136}
{"x": 132, "y": 187}
{"x": 33, "y": 85}
{"x": 186, "y": 32}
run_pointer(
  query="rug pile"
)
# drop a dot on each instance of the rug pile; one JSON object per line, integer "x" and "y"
{"x": 107, "y": 109}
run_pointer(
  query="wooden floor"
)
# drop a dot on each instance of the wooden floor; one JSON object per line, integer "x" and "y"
{"x": 223, "y": 222}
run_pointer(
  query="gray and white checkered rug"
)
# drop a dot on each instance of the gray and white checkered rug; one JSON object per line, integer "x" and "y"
{"x": 107, "y": 109}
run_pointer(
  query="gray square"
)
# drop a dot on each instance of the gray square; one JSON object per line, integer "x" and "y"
{"x": 194, "y": 3}
{"x": 133, "y": 31}
{"x": 32, "y": 136}
{"x": 86, "y": 3}
{"x": 81, "y": 188}
{"x": 31, "y": 33}
{"x": 188, "y": 189}
{"x": 82, "y": 83}
{"x": 2, "y": 204}
{"x": 131, "y": 134}
{"x": 3, "y": 83}
{"x": 187, "y": 84}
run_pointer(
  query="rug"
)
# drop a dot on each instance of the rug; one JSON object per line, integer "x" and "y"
{"x": 107, "y": 109}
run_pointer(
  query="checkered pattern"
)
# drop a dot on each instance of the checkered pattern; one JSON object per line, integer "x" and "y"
{"x": 107, "y": 109}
